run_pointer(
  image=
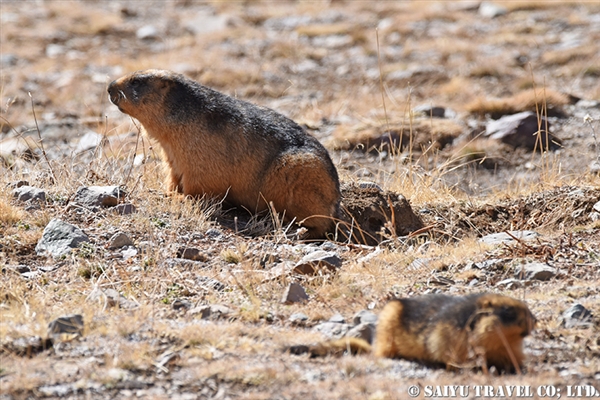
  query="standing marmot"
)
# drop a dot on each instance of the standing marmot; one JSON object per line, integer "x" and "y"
{"x": 445, "y": 330}
{"x": 228, "y": 148}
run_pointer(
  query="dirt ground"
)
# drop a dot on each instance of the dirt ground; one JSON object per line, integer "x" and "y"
{"x": 363, "y": 77}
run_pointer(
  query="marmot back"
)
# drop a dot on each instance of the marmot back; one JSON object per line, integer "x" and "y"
{"x": 444, "y": 330}
{"x": 228, "y": 148}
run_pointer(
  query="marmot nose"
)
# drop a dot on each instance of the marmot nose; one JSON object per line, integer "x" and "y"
{"x": 113, "y": 93}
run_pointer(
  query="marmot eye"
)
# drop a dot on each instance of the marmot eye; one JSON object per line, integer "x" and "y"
{"x": 507, "y": 314}
{"x": 135, "y": 82}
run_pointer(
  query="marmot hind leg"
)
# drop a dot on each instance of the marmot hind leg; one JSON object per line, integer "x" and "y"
{"x": 303, "y": 187}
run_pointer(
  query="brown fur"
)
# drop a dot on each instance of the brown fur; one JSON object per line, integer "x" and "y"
{"x": 446, "y": 330}
{"x": 224, "y": 147}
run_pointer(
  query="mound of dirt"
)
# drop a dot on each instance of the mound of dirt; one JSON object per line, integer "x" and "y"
{"x": 560, "y": 208}
{"x": 371, "y": 214}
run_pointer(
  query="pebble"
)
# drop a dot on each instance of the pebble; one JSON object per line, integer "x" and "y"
{"x": 68, "y": 324}
{"x": 294, "y": 293}
{"x": 364, "y": 317}
{"x": 298, "y": 318}
{"x": 316, "y": 261}
{"x": 535, "y": 271}
{"x": 60, "y": 238}
{"x": 96, "y": 196}
{"x": 519, "y": 130}
{"x": 576, "y": 316}
{"x": 119, "y": 240}
{"x": 29, "y": 193}
{"x": 503, "y": 237}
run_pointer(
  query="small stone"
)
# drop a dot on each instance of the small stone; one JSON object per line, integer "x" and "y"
{"x": 90, "y": 140}
{"x": 333, "y": 330}
{"x": 364, "y": 317}
{"x": 294, "y": 293}
{"x": 95, "y": 196}
{"x": 214, "y": 311}
{"x": 576, "y": 316}
{"x": 596, "y": 207}
{"x": 69, "y": 324}
{"x": 191, "y": 253}
{"x": 125, "y": 209}
{"x": 337, "y": 318}
{"x": 111, "y": 298}
{"x": 207, "y": 283}
{"x": 29, "y": 346}
{"x": 504, "y": 237}
{"x": 365, "y": 331}
{"x": 119, "y": 240}
{"x": 510, "y": 284}
{"x": 535, "y": 271}
{"x": 298, "y": 318}
{"x": 147, "y": 32}
{"x": 521, "y": 130}
{"x": 490, "y": 10}
{"x": 433, "y": 111}
{"x": 20, "y": 269}
{"x": 595, "y": 167}
{"x": 60, "y": 238}
{"x": 313, "y": 262}
{"x": 179, "y": 304}
{"x": 214, "y": 233}
{"x": 29, "y": 193}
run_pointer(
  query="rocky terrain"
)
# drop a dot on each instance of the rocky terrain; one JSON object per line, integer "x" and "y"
{"x": 466, "y": 138}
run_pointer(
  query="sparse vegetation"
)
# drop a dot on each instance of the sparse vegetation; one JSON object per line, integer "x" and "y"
{"x": 318, "y": 63}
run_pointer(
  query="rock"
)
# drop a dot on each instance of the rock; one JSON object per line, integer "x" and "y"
{"x": 18, "y": 148}
{"x": 90, "y": 140}
{"x": 68, "y": 324}
{"x": 180, "y": 304}
{"x": 214, "y": 311}
{"x": 363, "y": 331}
{"x": 535, "y": 271}
{"x": 338, "y": 318}
{"x": 576, "y": 316}
{"x": 364, "y": 317}
{"x": 503, "y": 237}
{"x": 29, "y": 193}
{"x": 490, "y": 10}
{"x": 510, "y": 284}
{"x": 96, "y": 196}
{"x": 595, "y": 167}
{"x": 205, "y": 22}
{"x": 333, "y": 330}
{"x": 125, "y": 209}
{"x": 316, "y": 261}
{"x": 596, "y": 207}
{"x": 191, "y": 253}
{"x": 493, "y": 264}
{"x": 294, "y": 294}
{"x": 119, "y": 240}
{"x": 369, "y": 185}
{"x": 28, "y": 346}
{"x": 147, "y": 32}
{"x": 111, "y": 298}
{"x": 214, "y": 233}
{"x": 520, "y": 130}
{"x": 298, "y": 318}
{"x": 207, "y": 283}
{"x": 59, "y": 238}
{"x": 434, "y": 111}
{"x": 8, "y": 60}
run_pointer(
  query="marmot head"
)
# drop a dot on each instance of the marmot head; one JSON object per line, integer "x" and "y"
{"x": 510, "y": 315}
{"x": 144, "y": 94}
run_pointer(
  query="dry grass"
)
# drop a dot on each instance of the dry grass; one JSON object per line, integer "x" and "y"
{"x": 438, "y": 164}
